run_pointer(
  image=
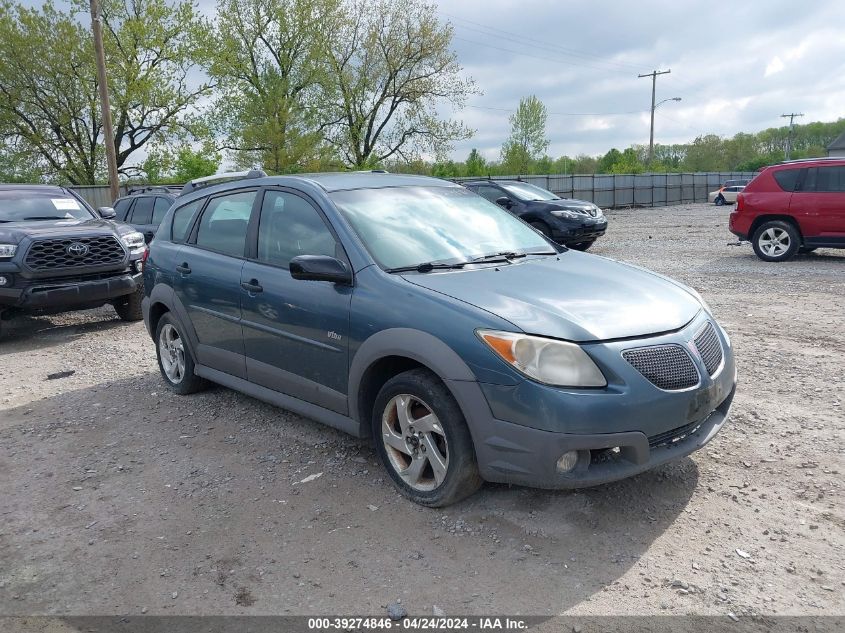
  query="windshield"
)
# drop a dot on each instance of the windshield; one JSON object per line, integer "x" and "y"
{"x": 33, "y": 206}
{"x": 524, "y": 191}
{"x": 408, "y": 226}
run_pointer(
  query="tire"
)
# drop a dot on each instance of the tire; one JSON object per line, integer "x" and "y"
{"x": 582, "y": 246}
{"x": 776, "y": 241}
{"x": 128, "y": 308}
{"x": 429, "y": 456}
{"x": 720, "y": 201}
{"x": 806, "y": 249}
{"x": 543, "y": 228}
{"x": 184, "y": 381}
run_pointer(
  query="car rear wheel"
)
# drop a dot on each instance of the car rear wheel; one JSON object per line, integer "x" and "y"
{"x": 423, "y": 441}
{"x": 776, "y": 241}
{"x": 582, "y": 246}
{"x": 174, "y": 359}
{"x": 720, "y": 200}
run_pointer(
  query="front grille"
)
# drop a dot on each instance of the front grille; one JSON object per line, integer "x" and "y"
{"x": 675, "y": 435}
{"x": 707, "y": 344}
{"x": 54, "y": 254}
{"x": 668, "y": 367}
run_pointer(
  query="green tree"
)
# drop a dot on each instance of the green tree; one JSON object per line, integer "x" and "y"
{"x": 267, "y": 59}
{"x": 476, "y": 164}
{"x": 390, "y": 66}
{"x": 48, "y": 80}
{"x": 527, "y": 141}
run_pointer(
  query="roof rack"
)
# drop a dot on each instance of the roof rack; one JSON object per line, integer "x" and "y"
{"x": 809, "y": 160}
{"x": 151, "y": 188}
{"x": 372, "y": 171}
{"x": 197, "y": 183}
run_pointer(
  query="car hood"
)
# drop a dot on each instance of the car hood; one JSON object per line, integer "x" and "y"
{"x": 575, "y": 297}
{"x": 15, "y": 232}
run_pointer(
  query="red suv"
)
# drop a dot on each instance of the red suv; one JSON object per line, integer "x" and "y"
{"x": 797, "y": 206}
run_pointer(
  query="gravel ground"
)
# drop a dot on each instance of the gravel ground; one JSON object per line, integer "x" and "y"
{"x": 120, "y": 497}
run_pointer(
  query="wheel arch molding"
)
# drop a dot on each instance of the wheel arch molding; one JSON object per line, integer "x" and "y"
{"x": 403, "y": 348}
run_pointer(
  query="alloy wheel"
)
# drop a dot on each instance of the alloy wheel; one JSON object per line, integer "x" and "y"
{"x": 172, "y": 353}
{"x": 415, "y": 442}
{"x": 774, "y": 242}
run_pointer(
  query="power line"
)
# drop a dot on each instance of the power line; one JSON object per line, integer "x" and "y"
{"x": 511, "y": 111}
{"x": 524, "y": 54}
{"x": 537, "y": 43}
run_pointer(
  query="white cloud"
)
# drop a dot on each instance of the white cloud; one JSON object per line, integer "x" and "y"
{"x": 775, "y": 66}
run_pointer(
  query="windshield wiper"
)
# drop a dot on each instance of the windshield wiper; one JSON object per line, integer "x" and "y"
{"x": 498, "y": 257}
{"x": 426, "y": 267}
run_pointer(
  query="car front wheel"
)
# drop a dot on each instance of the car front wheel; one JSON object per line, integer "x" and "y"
{"x": 720, "y": 201}
{"x": 582, "y": 246}
{"x": 423, "y": 440}
{"x": 776, "y": 241}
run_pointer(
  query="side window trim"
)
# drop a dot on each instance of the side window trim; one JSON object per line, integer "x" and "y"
{"x": 128, "y": 217}
{"x": 252, "y": 231}
{"x": 191, "y": 237}
{"x": 190, "y": 228}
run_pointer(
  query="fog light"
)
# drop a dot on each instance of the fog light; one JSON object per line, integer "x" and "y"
{"x": 567, "y": 462}
{"x": 4, "y": 281}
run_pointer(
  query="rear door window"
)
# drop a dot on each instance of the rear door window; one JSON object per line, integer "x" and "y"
{"x": 491, "y": 193}
{"x": 182, "y": 219}
{"x": 825, "y": 179}
{"x": 224, "y": 222}
{"x": 142, "y": 212}
{"x": 159, "y": 209}
{"x": 787, "y": 179}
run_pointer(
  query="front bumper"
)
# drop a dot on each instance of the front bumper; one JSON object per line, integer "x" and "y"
{"x": 588, "y": 232}
{"x": 56, "y": 294}
{"x": 518, "y": 455}
{"x": 520, "y": 431}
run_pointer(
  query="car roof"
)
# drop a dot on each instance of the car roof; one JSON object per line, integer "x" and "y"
{"x": 33, "y": 188}
{"x": 339, "y": 181}
{"x": 805, "y": 162}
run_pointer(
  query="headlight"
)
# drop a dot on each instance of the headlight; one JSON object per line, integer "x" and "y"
{"x": 133, "y": 241}
{"x": 8, "y": 250}
{"x": 564, "y": 213}
{"x": 552, "y": 362}
{"x": 599, "y": 212}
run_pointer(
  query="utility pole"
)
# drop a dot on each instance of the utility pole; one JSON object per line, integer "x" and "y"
{"x": 791, "y": 116}
{"x": 105, "y": 107}
{"x": 653, "y": 76}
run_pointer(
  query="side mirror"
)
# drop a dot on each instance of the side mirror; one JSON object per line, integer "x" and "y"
{"x": 320, "y": 268}
{"x": 107, "y": 213}
{"x": 504, "y": 201}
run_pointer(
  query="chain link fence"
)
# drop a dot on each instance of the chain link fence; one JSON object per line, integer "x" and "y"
{"x": 606, "y": 190}
{"x": 631, "y": 190}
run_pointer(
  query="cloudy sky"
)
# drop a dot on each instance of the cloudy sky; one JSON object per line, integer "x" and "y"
{"x": 736, "y": 65}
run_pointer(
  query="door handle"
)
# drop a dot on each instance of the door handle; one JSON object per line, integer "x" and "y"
{"x": 183, "y": 268}
{"x": 252, "y": 286}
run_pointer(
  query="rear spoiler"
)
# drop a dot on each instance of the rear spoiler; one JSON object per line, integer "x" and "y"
{"x": 198, "y": 183}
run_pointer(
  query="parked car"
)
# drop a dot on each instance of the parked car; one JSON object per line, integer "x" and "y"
{"x": 725, "y": 195}
{"x": 145, "y": 207}
{"x": 409, "y": 310}
{"x": 574, "y": 223}
{"x": 796, "y": 206}
{"x": 58, "y": 254}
